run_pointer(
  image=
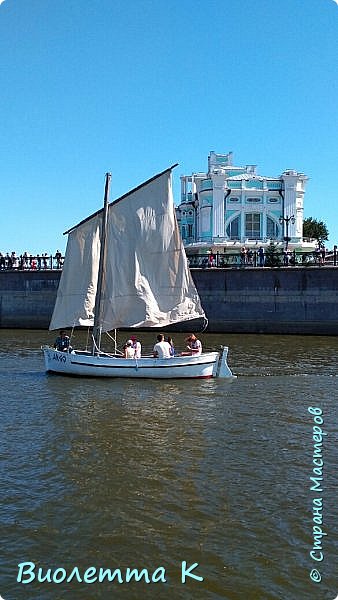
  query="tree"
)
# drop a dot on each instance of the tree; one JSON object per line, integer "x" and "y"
{"x": 272, "y": 256}
{"x": 316, "y": 230}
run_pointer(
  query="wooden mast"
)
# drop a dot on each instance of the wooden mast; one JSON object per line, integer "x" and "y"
{"x": 98, "y": 300}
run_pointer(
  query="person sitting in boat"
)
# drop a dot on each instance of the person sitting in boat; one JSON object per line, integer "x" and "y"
{"x": 128, "y": 350}
{"x": 171, "y": 344}
{"x": 62, "y": 343}
{"x": 161, "y": 348}
{"x": 136, "y": 345}
{"x": 194, "y": 348}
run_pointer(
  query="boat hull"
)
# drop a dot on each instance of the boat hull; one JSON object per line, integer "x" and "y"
{"x": 209, "y": 364}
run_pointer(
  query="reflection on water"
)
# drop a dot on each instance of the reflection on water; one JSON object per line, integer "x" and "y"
{"x": 118, "y": 473}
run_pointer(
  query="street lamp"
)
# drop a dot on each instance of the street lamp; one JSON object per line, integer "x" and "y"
{"x": 286, "y": 220}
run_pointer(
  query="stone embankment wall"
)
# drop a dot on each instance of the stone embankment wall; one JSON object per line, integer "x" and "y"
{"x": 27, "y": 298}
{"x": 302, "y": 300}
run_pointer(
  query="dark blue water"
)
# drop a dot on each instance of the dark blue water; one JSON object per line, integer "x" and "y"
{"x": 118, "y": 474}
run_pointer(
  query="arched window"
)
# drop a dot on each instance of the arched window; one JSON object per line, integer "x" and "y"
{"x": 233, "y": 229}
{"x": 272, "y": 229}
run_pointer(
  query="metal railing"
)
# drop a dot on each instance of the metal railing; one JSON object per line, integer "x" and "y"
{"x": 24, "y": 262}
{"x": 218, "y": 260}
{"x": 269, "y": 259}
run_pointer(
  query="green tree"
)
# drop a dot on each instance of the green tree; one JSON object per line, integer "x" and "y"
{"x": 316, "y": 230}
{"x": 272, "y": 256}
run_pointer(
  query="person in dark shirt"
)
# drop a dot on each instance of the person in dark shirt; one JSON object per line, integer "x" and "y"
{"x": 58, "y": 258}
{"x": 62, "y": 343}
{"x": 171, "y": 344}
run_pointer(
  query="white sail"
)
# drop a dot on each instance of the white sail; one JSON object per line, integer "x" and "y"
{"x": 146, "y": 280}
{"x": 77, "y": 288}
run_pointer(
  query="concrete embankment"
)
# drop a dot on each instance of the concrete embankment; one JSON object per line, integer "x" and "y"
{"x": 287, "y": 300}
{"x": 302, "y": 300}
{"x": 27, "y": 298}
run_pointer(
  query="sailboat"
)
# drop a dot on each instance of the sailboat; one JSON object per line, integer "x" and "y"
{"x": 125, "y": 267}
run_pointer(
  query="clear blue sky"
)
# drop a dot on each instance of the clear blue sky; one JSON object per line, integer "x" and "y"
{"x": 89, "y": 86}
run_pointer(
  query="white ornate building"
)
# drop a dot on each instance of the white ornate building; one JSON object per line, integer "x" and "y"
{"x": 230, "y": 206}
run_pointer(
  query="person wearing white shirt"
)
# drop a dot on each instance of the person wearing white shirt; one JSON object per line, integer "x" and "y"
{"x": 136, "y": 346}
{"x": 161, "y": 348}
{"x": 194, "y": 348}
{"x": 128, "y": 349}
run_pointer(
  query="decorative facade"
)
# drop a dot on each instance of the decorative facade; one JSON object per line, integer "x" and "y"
{"x": 233, "y": 206}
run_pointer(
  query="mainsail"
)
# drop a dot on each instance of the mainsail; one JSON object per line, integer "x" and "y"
{"x": 146, "y": 279}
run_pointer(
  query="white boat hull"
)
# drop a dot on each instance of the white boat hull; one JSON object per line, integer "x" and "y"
{"x": 209, "y": 364}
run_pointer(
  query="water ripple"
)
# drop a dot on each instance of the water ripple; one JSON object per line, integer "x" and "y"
{"x": 130, "y": 473}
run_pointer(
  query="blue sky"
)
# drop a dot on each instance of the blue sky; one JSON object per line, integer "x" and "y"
{"x": 89, "y": 86}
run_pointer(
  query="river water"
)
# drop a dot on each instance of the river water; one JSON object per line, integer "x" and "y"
{"x": 118, "y": 474}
